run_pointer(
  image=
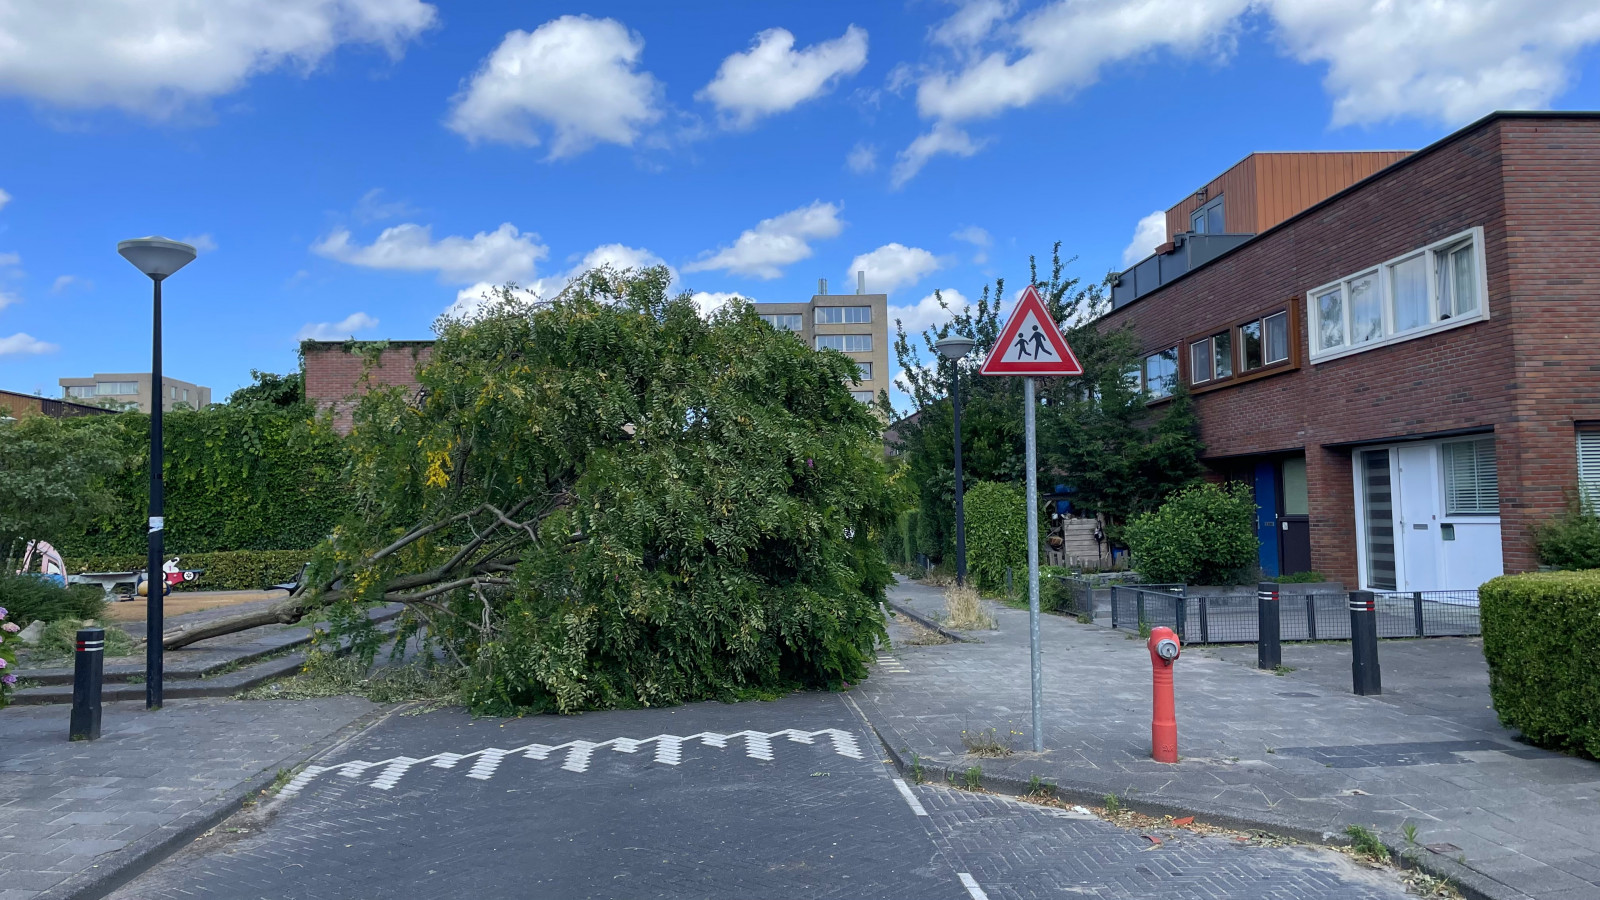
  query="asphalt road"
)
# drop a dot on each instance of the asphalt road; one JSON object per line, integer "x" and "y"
{"x": 788, "y": 799}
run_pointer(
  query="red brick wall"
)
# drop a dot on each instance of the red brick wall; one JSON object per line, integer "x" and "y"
{"x": 1461, "y": 378}
{"x": 334, "y": 373}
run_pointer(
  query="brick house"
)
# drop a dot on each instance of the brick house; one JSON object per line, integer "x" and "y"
{"x": 1407, "y": 368}
{"x": 334, "y": 371}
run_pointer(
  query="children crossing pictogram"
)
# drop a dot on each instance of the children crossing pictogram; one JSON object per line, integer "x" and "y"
{"x": 1030, "y": 343}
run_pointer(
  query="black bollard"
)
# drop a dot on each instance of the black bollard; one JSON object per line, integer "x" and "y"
{"x": 1365, "y": 678}
{"x": 1269, "y": 650}
{"x": 88, "y": 666}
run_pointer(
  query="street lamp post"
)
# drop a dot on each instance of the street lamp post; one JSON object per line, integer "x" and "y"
{"x": 954, "y": 348}
{"x": 158, "y": 258}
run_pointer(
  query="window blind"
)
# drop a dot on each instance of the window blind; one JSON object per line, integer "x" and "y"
{"x": 1589, "y": 466}
{"x": 1471, "y": 478}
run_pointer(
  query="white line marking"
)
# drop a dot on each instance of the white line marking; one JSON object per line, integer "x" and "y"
{"x": 911, "y": 799}
{"x": 972, "y": 886}
{"x": 668, "y": 751}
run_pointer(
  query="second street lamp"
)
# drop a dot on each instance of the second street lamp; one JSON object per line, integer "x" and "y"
{"x": 158, "y": 258}
{"x": 954, "y": 348}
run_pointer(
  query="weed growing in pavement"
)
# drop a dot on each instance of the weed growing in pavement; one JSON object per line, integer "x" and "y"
{"x": 1282, "y": 669}
{"x": 1037, "y": 787}
{"x": 1085, "y": 619}
{"x": 963, "y": 610}
{"x": 916, "y": 769}
{"x": 972, "y": 779}
{"x": 1409, "y": 829}
{"x": 1113, "y": 805}
{"x": 989, "y": 742}
{"x": 1365, "y": 843}
{"x": 1144, "y": 630}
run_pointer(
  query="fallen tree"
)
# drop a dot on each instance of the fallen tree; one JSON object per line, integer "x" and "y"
{"x": 610, "y": 500}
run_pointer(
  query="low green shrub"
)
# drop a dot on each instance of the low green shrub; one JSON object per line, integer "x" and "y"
{"x": 59, "y": 639}
{"x": 1202, "y": 534}
{"x": 1540, "y": 631}
{"x": 1055, "y": 592}
{"x": 997, "y": 533}
{"x": 29, "y": 598}
{"x": 1311, "y": 577}
{"x": 236, "y": 570}
{"x": 1570, "y": 542}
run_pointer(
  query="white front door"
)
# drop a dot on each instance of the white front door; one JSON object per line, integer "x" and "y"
{"x": 1420, "y": 509}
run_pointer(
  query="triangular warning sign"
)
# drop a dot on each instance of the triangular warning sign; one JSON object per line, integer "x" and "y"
{"x": 1030, "y": 344}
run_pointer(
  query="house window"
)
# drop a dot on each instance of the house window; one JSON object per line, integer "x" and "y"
{"x": 863, "y": 396}
{"x": 116, "y": 388}
{"x": 1200, "y": 361}
{"x": 1250, "y": 346}
{"x": 866, "y": 370}
{"x": 1471, "y": 480}
{"x": 1208, "y": 218}
{"x": 844, "y": 315}
{"x": 186, "y": 395}
{"x": 1589, "y": 466}
{"x": 1222, "y": 354}
{"x": 1276, "y": 345}
{"x": 848, "y": 343}
{"x": 784, "y": 322}
{"x": 1439, "y": 286}
{"x": 80, "y": 391}
{"x": 1161, "y": 373}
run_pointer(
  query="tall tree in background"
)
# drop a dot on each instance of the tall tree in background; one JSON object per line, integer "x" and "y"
{"x": 1096, "y": 433}
{"x": 271, "y": 389}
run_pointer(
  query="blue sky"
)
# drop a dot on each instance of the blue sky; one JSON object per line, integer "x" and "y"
{"x": 360, "y": 166}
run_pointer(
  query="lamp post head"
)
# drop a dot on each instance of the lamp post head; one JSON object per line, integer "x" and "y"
{"x": 157, "y": 257}
{"x": 954, "y": 347}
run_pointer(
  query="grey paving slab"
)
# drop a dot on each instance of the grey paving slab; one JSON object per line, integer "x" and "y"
{"x": 758, "y": 800}
{"x": 76, "y": 806}
{"x": 1297, "y": 749}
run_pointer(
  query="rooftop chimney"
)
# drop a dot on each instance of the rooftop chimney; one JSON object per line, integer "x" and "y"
{"x": 822, "y": 287}
{"x": 861, "y": 281}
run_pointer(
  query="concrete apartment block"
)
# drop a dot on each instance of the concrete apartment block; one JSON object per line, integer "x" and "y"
{"x": 134, "y": 388}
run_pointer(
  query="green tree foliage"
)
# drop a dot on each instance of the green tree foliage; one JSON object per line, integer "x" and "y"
{"x": 54, "y": 477}
{"x": 1095, "y": 432}
{"x": 1202, "y": 534}
{"x": 252, "y": 477}
{"x": 1540, "y": 631}
{"x": 271, "y": 389}
{"x": 997, "y": 532}
{"x": 607, "y": 500}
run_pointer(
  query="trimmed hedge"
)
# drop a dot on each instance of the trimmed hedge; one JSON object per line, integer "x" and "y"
{"x": 1202, "y": 534}
{"x": 1541, "y": 632}
{"x": 997, "y": 533}
{"x": 236, "y": 570}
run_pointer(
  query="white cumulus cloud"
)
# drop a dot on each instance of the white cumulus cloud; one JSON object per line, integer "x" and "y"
{"x": 617, "y": 256}
{"x": 336, "y": 331}
{"x": 1150, "y": 233}
{"x": 1446, "y": 62}
{"x": 157, "y": 57}
{"x": 23, "y": 344}
{"x": 63, "y": 283}
{"x": 504, "y": 254}
{"x": 202, "y": 243}
{"x": 894, "y": 266}
{"x": 4, "y": 199}
{"x": 942, "y": 139}
{"x": 863, "y": 158}
{"x": 763, "y": 251}
{"x": 709, "y": 302}
{"x": 772, "y": 77}
{"x": 575, "y": 76}
{"x": 926, "y": 313}
{"x": 979, "y": 239}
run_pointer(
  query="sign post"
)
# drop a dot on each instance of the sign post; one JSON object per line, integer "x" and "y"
{"x": 1030, "y": 344}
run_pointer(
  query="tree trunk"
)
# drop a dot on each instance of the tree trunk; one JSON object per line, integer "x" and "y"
{"x": 285, "y": 612}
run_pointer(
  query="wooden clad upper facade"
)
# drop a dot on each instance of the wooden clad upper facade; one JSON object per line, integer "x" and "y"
{"x": 1263, "y": 189}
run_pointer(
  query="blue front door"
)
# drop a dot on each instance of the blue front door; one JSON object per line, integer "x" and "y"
{"x": 1267, "y": 516}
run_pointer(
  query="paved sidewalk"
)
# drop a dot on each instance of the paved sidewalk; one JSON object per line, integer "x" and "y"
{"x": 74, "y": 813}
{"x": 1297, "y": 751}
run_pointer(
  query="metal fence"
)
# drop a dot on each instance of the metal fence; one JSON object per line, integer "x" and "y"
{"x": 1311, "y": 616}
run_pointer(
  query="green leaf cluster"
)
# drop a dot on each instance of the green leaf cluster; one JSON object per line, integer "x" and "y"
{"x": 1540, "y": 632}
{"x": 55, "y": 478}
{"x": 1202, "y": 534}
{"x": 1571, "y": 541}
{"x": 997, "y": 533}
{"x": 717, "y": 500}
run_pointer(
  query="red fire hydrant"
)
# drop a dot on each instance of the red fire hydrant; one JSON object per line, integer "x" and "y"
{"x": 1164, "y": 648}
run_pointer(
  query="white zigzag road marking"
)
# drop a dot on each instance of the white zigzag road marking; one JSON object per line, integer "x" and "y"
{"x": 485, "y": 762}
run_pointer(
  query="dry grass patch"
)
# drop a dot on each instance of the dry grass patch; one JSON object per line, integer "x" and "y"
{"x": 963, "y": 610}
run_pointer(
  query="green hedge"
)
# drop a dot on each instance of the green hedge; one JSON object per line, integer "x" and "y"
{"x": 238, "y": 570}
{"x": 1540, "y": 635}
{"x": 236, "y": 479}
{"x": 1202, "y": 534}
{"x": 997, "y": 533}
{"x": 28, "y": 598}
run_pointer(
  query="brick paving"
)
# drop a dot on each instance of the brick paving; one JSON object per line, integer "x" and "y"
{"x": 70, "y": 809}
{"x": 1297, "y": 750}
{"x": 726, "y": 814}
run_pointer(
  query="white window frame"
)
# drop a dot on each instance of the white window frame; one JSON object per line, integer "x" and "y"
{"x": 1589, "y": 465}
{"x": 864, "y": 396}
{"x": 864, "y": 371}
{"x": 780, "y": 320}
{"x": 844, "y": 315}
{"x": 1385, "y": 281}
{"x": 864, "y": 342}
{"x": 1288, "y": 339}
